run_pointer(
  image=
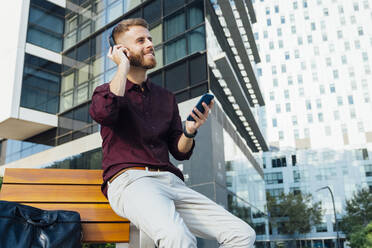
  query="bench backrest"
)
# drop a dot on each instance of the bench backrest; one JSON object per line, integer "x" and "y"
{"x": 68, "y": 189}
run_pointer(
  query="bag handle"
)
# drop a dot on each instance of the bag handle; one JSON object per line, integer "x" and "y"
{"x": 47, "y": 218}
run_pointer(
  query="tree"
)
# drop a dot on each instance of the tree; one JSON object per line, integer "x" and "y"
{"x": 358, "y": 216}
{"x": 361, "y": 238}
{"x": 293, "y": 213}
{"x": 1, "y": 181}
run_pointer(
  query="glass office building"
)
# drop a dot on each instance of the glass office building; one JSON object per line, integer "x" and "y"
{"x": 200, "y": 46}
{"x": 316, "y": 59}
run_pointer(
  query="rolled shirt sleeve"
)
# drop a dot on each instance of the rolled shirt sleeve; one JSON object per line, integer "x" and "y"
{"x": 174, "y": 135}
{"x": 105, "y": 105}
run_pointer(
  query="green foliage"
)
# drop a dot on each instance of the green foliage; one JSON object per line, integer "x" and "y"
{"x": 356, "y": 223}
{"x": 362, "y": 237}
{"x": 1, "y": 181}
{"x": 294, "y": 213}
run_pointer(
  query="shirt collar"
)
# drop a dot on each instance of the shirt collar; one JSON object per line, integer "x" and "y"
{"x": 132, "y": 86}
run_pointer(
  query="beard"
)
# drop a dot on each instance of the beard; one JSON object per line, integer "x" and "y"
{"x": 138, "y": 60}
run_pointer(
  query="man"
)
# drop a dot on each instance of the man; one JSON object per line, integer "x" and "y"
{"x": 140, "y": 123}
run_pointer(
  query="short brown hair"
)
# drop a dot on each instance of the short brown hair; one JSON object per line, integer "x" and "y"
{"x": 124, "y": 25}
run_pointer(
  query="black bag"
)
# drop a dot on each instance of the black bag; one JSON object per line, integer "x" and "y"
{"x": 23, "y": 226}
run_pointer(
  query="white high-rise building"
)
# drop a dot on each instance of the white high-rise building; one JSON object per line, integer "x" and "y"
{"x": 316, "y": 78}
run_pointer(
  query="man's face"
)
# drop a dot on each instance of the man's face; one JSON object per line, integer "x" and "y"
{"x": 139, "y": 43}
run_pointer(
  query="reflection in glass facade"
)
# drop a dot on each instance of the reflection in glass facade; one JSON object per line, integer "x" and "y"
{"x": 177, "y": 29}
{"x": 246, "y": 187}
{"x": 222, "y": 166}
{"x": 16, "y": 149}
{"x": 41, "y": 84}
{"x": 45, "y": 25}
{"x": 91, "y": 160}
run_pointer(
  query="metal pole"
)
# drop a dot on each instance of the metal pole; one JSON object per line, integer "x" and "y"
{"x": 334, "y": 211}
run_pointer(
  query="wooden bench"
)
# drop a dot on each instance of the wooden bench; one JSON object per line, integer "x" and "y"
{"x": 70, "y": 189}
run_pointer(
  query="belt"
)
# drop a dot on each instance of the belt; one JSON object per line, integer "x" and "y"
{"x": 135, "y": 168}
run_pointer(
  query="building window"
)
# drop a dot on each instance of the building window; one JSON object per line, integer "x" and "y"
{"x": 365, "y": 57}
{"x": 336, "y": 115}
{"x": 350, "y": 100}
{"x": 360, "y": 127}
{"x": 321, "y": 89}
{"x": 275, "y": 82}
{"x": 267, "y": 57}
{"x": 343, "y": 59}
{"x": 321, "y": 227}
{"x": 296, "y": 176}
{"x": 347, "y": 45}
{"x": 284, "y": 68}
{"x": 294, "y": 120}
{"x": 352, "y": 113}
{"x": 278, "y": 162}
{"x": 332, "y": 88}
{"x": 294, "y": 160}
{"x": 320, "y": 117}
{"x": 328, "y": 61}
{"x": 282, "y": 19}
{"x": 277, "y": 108}
{"x": 297, "y": 53}
{"x": 335, "y": 74}
{"x": 296, "y": 133}
{"x": 325, "y": 12}
{"x": 368, "y": 170}
{"x": 276, "y": 9}
{"x": 46, "y": 25}
{"x": 309, "y": 39}
{"x": 313, "y": 26}
{"x": 288, "y": 107}
{"x": 268, "y": 22}
{"x": 309, "y": 118}
{"x": 267, "y": 11}
{"x": 300, "y": 40}
{"x": 301, "y": 91}
{"x": 280, "y": 42}
{"x": 339, "y": 101}
{"x": 360, "y": 31}
{"x": 318, "y": 103}
{"x": 308, "y": 104}
{"x": 274, "y": 178}
{"x": 290, "y": 80}
{"x": 273, "y": 69}
{"x": 281, "y": 135}
{"x": 275, "y": 192}
{"x": 286, "y": 94}
{"x": 300, "y": 79}
{"x": 293, "y": 29}
{"x": 40, "y": 85}
{"x": 274, "y": 122}
{"x": 295, "y": 5}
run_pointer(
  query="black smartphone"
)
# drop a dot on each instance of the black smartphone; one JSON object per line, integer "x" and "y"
{"x": 112, "y": 44}
{"x": 111, "y": 41}
{"x": 207, "y": 98}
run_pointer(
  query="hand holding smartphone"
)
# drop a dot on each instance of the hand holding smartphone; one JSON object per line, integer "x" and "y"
{"x": 207, "y": 98}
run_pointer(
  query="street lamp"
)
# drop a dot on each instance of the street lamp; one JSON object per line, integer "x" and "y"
{"x": 334, "y": 211}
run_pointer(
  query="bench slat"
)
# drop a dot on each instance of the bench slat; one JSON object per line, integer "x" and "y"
{"x": 52, "y": 176}
{"x": 106, "y": 232}
{"x": 52, "y": 193}
{"x": 88, "y": 212}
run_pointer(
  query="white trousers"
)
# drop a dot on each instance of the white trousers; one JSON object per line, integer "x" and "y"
{"x": 170, "y": 213}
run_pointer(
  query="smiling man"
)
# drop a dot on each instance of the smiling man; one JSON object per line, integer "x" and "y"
{"x": 140, "y": 125}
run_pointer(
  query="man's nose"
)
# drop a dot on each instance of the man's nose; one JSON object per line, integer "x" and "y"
{"x": 149, "y": 43}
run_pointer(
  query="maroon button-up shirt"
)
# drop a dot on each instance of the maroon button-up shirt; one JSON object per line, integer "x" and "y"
{"x": 137, "y": 129}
